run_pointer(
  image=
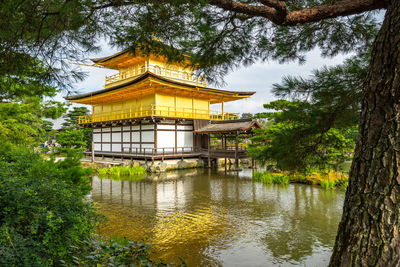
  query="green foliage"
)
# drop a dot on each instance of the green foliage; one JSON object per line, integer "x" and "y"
{"x": 328, "y": 184}
{"x": 269, "y": 178}
{"x": 71, "y": 135}
{"x": 318, "y": 128}
{"x": 117, "y": 172}
{"x": 21, "y": 123}
{"x": 42, "y": 212}
{"x": 114, "y": 253}
{"x": 71, "y": 118}
{"x": 219, "y": 40}
{"x": 281, "y": 179}
{"x": 71, "y": 138}
{"x": 327, "y": 179}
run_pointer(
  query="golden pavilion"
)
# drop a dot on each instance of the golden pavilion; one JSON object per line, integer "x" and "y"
{"x": 152, "y": 107}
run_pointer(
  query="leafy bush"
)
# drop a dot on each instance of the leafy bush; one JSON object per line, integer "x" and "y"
{"x": 42, "y": 212}
{"x": 114, "y": 253}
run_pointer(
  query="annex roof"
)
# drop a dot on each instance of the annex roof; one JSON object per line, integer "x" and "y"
{"x": 150, "y": 83}
{"x": 234, "y": 126}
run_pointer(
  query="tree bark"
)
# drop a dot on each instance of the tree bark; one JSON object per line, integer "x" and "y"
{"x": 368, "y": 233}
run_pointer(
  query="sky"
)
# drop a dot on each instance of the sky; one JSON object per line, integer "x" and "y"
{"x": 258, "y": 77}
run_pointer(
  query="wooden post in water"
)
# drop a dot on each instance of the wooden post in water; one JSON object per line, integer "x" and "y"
{"x": 236, "y": 151}
{"x": 92, "y": 151}
{"x": 224, "y": 147}
{"x": 209, "y": 148}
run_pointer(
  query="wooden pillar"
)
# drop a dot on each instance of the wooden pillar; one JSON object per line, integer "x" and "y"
{"x": 236, "y": 151}
{"x": 209, "y": 150}
{"x": 224, "y": 147}
{"x": 223, "y": 116}
{"x": 92, "y": 151}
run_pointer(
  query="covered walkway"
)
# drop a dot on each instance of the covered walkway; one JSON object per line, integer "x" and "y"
{"x": 242, "y": 128}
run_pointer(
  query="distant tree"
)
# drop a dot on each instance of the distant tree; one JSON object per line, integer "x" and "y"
{"x": 23, "y": 124}
{"x": 318, "y": 127}
{"x": 72, "y": 135}
{"x": 296, "y": 142}
{"x": 246, "y": 116}
{"x": 71, "y": 118}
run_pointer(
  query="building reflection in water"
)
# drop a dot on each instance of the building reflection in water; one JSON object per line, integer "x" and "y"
{"x": 213, "y": 218}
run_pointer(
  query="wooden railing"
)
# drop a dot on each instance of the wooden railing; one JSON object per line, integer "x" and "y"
{"x": 229, "y": 147}
{"x": 182, "y": 76}
{"x": 161, "y": 111}
{"x": 159, "y": 151}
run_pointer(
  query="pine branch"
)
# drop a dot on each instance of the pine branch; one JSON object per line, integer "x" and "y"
{"x": 276, "y": 12}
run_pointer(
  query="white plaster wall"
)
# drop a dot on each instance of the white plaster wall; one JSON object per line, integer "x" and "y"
{"x": 148, "y": 146}
{"x": 135, "y": 146}
{"x": 166, "y": 127}
{"x": 106, "y": 130}
{"x": 116, "y": 137}
{"x": 148, "y": 136}
{"x": 136, "y": 127}
{"x": 97, "y": 147}
{"x": 115, "y": 129}
{"x": 135, "y": 137}
{"x": 106, "y": 147}
{"x": 147, "y": 126}
{"x": 106, "y": 137}
{"x": 116, "y": 147}
{"x": 166, "y": 140}
{"x": 126, "y": 137}
{"x": 97, "y": 138}
{"x": 184, "y": 127}
{"x": 185, "y": 139}
{"x": 126, "y": 128}
{"x": 96, "y": 130}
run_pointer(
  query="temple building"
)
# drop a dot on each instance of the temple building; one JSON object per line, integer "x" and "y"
{"x": 153, "y": 108}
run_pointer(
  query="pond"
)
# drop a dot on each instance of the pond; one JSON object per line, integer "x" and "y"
{"x": 211, "y": 218}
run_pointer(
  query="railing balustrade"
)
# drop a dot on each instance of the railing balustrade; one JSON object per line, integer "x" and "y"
{"x": 184, "y": 76}
{"x": 161, "y": 111}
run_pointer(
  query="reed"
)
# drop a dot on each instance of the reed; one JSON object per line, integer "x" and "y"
{"x": 327, "y": 179}
{"x": 280, "y": 179}
{"x": 328, "y": 184}
{"x": 267, "y": 178}
{"x": 122, "y": 171}
{"x": 102, "y": 171}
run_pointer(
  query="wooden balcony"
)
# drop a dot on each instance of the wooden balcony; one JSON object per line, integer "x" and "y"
{"x": 159, "y": 111}
{"x": 170, "y": 73}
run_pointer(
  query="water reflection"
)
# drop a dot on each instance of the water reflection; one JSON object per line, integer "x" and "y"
{"x": 213, "y": 218}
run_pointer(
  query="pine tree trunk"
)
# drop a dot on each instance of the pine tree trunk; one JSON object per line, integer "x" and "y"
{"x": 368, "y": 234}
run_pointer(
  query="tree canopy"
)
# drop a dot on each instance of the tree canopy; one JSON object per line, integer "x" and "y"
{"x": 220, "y": 35}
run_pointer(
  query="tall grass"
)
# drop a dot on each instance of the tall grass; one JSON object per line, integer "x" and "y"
{"x": 327, "y": 184}
{"x": 327, "y": 179}
{"x": 281, "y": 179}
{"x": 122, "y": 171}
{"x": 269, "y": 178}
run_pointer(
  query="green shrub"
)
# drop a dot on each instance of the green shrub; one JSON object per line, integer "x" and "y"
{"x": 120, "y": 252}
{"x": 42, "y": 212}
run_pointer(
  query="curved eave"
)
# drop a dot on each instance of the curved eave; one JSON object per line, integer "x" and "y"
{"x": 223, "y": 128}
{"x": 87, "y": 98}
